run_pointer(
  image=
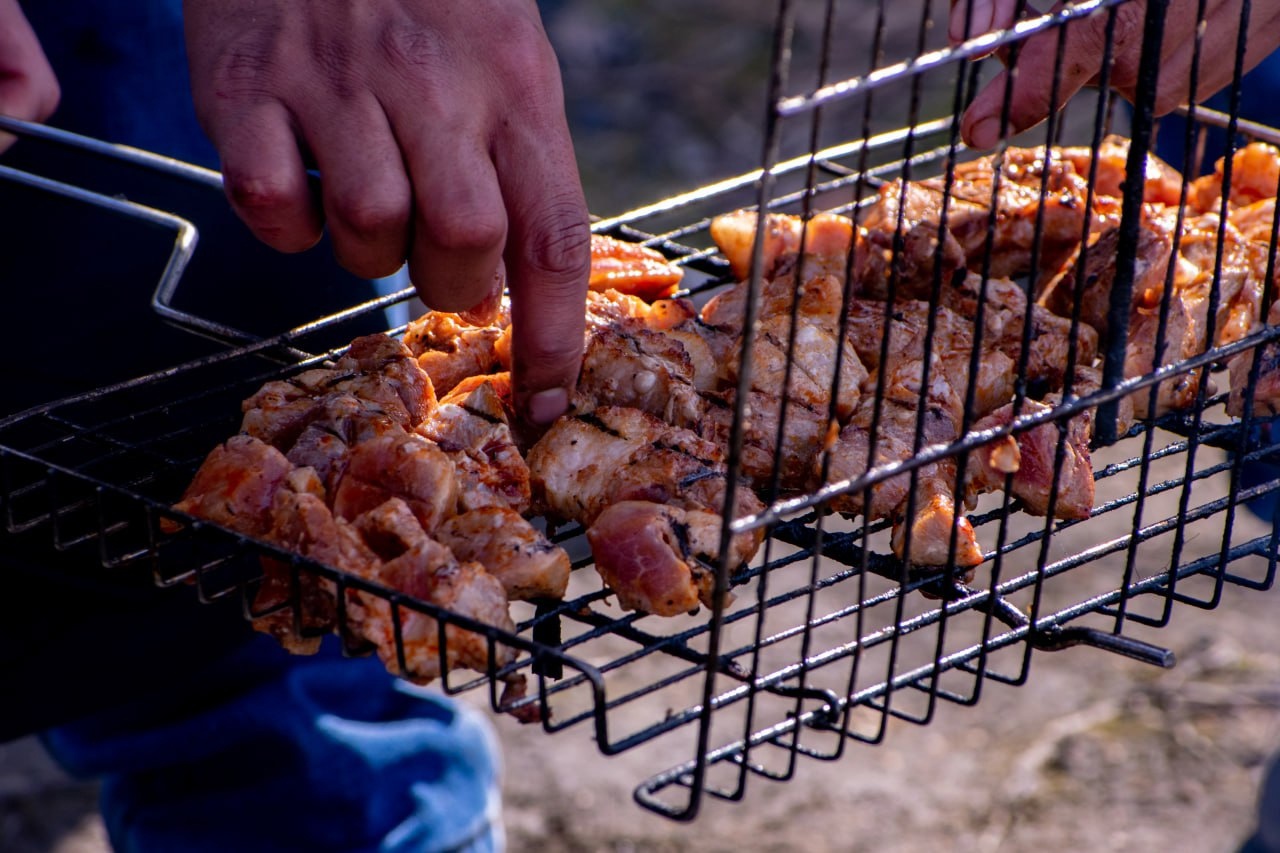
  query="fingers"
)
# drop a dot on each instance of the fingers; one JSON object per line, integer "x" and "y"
{"x": 548, "y": 262}
{"x": 364, "y": 187}
{"x": 28, "y": 87}
{"x": 1217, "y": 50}
{"x": 1039, "y": 63}
{"x": 264, "y": 177}
{"x": 459, "y": 224}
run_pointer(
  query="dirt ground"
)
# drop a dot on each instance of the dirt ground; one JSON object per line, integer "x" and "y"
{"x": 1096, "y": 752}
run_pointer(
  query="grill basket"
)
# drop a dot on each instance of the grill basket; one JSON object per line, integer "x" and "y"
{"x": 829, "y": 635}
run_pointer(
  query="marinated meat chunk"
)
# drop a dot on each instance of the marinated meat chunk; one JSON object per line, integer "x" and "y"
{"x": 303, "y": 524}
{"x": 631, "y": 268}
{"x": 236, "y": 485}
{"x": 398, "y": 465}
{"x": 511, "y": 549}
{"x": 475, "y": 436}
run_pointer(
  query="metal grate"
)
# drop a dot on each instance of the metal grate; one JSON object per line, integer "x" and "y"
{"x": 830, "y": 635}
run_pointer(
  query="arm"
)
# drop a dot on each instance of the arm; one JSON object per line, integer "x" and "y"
{"x": 28, "y": 89}
{"x": 1083, "y": 52}
{"x": 438, "y": 128}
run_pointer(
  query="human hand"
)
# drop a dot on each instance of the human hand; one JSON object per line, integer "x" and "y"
{"x": 1082, "y": 57}
{"x": 438, "y": 129}
{"x": 28, "y": 88}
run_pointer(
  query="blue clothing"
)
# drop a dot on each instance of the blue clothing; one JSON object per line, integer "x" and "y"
{"x": 206, "y": 735}
{"x": 272, "y": 753}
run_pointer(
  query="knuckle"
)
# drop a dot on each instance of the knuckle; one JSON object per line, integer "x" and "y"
{"x": 258, "y": 197}
{"x": 558, "y": 245}
{"x": 416, "y": 50}
{"x": 245, "y": 68}
{"x": 334, "y": 64}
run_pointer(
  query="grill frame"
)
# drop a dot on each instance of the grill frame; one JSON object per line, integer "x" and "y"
{"x": 82, "y": 509}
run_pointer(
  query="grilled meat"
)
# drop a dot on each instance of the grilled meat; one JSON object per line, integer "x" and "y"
{"x": 236, "y": 485}
{"x": 586, "y": 465}
{"x": 632, "y": 269}
{"x": 652, "y": 555}
{"x": 824, "y": 235}
{"x": 511, "y": 549}
{"x": 1255, "y": 176}
{"x": 474, "y": 434}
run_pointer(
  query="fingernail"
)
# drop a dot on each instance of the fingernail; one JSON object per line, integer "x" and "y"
{"x": 986, "y": 133}
{"x": 545, "y": 406}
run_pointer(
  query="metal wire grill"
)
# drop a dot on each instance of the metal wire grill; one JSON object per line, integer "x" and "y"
{"x": 830, "y": 635}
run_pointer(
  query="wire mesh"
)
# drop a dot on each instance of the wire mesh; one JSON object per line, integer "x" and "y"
{"x": 835, "y": 628}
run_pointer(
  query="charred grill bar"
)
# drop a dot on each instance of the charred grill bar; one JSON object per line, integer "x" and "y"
{"x": 831, "y": 633}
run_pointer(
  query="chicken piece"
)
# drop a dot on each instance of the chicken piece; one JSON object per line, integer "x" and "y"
{"x": 1162, "y": 183}
{"x": 388, "y": 361}
{"x": 1004, "y": 315}
{"x": 655, "y": 557}
{"x": 903, "y": 232}
{"x": 398, "y": 465}
{"x": 1255, "y": 174}
{"x": 429, "y": 572}
{"x": 389, "y": 529}
{"x": 424, "y": 569}
{"x": 642, "y": 369}
{"x": 281, "y": 409}
{"x": 303, "y": 524}
{"x": 449, "y": 349}
{"x": 767, "y": 443}
{"x": 235, "y": 486}
{"x": 894, "y": 441}
{"x": 631, "y": 268}
{"x": 932, "y": 532}
{"x": 1266, "y": 390}
{"x": 1187, "y": 321}
{"x": 1034, "y": 472}
{"x": 510, "y": 549}
{"x": 475, "y": 436}
{"x": 584, "y": 466}
{"x": 338, "y": 421}
{"x": 796, "y": 353}
{"x": 1255, "y": 221}
{"x": 499, "y": 384}
{"x": 585, "y": 463}
{"x": 1038, "y": 189}
{"x": 950, "y": 345}
{"x": 908, "y": 406}
{"x": 803, "y": 360}
{"x": 1209, "y": 244}
{"x": 825, "y": 235}
{"x": 1151, "y": 265}
{"x": 820, "y": 292}
{"x": 377, "y": 372}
